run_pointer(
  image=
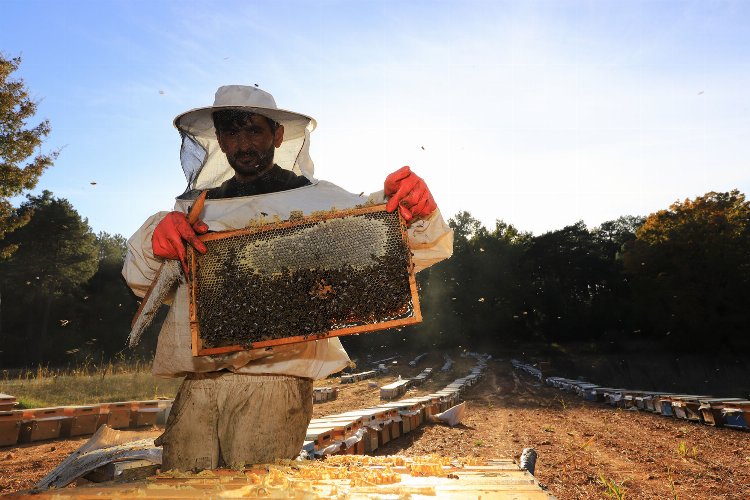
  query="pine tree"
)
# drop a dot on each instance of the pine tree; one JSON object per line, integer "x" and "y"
{"x": 21, "y": 161}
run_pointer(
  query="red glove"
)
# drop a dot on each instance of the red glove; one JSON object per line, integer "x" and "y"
{"x": 171, "y": 234}
{"x": 409, "y": 192}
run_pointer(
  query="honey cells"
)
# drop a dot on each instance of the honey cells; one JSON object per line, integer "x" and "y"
{"x": 307, "y": 280}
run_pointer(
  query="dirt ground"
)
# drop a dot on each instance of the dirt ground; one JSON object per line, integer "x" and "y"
{"x": 582, "y": 447}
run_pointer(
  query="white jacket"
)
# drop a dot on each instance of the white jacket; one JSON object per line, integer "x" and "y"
{"x": 431, "y": 241}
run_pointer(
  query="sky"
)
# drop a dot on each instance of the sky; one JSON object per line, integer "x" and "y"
{"x": 537, "y": 113}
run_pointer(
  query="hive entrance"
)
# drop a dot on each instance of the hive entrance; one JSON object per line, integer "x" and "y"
{"x": 326, "y": 275}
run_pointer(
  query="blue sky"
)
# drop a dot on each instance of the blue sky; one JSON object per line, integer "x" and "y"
{"x": 540, "y": 113}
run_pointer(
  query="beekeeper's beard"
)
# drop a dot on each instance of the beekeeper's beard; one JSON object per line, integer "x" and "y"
{"x": 251, "y": 163}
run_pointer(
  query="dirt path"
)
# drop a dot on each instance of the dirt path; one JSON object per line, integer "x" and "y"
{"x": 579, "y": 443}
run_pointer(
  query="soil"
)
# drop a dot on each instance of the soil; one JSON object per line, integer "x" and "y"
{"x": 580, "y": 445}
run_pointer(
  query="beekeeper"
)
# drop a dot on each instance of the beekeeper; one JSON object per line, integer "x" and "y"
{"x": 252, "y": 406}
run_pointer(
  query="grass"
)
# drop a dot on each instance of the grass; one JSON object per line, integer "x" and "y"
{"x": 683, "y": 450}
{"x": 88, "y": 383}
{"x": 612, "y": 489}
{"x": 671, "y": 484}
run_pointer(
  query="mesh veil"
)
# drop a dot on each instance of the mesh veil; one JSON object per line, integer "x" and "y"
{"x": 206, "y": 166}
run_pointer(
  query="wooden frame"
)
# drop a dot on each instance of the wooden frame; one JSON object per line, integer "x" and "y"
{"x": 197, "y": 344}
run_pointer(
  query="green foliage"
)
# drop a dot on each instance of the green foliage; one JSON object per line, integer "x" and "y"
{"x": 57, "y": 251}
{"x": 574, "y": 281}
{"x": 20, "y": 166}
{"x": 56, "y": 254}
{"x": 690, "y": 270}
{"x": 107, "y": 306}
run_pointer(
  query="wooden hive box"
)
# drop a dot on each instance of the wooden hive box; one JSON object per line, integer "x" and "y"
{"x": 641, "y": 400}
{"x": 432, "y": 405}
{"x": 394, "y": 389}
{"x": 629, "y": 399}
{"x": 588, "y": 391}
{"x": 42, "y": 423}
{"x": 448, "y": 398}
{"x": 673, "y": 405}
{"x": 366, "y": 418}
{"x": 330, "y": 274}
{"x": 711, "y": 410}
{"x": 665, "y": 406}
{"x": 688, "y": 408}
{"x": 600, "y": 394}
{"x": 654, "y": 402}
{"x": 7, "y": 402}
{"x": 115, "y": 415}
{"x": 351, "y": 424}
{"x": 144, "y": 413}
{"x": 392, "y": 419}
{"x": 378, "y": 417}
{"x": 341, "y": 429}
{"x": 422, "y": 403}
{"x": 323, "y": 394}
{"x": 367, "y": 421}
{"x": 736, "y": 414}
{"x": 406, "y": 418}
{"x": 10, "y": 427}
{"x": 321, "y": 435}
{"x": 83, "y": 420}
{"x": 413, "y": 413}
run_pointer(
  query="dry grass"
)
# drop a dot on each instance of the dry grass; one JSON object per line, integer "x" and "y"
{"x": 87, "y": 383}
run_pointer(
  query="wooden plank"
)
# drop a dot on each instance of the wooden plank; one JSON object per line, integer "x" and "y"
{"x": 127, "y": 470}
{"x": 497, "y": 479}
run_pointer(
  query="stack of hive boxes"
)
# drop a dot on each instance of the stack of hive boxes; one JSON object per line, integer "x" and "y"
{"x": 367, "y": 429}
{"x": 729, "y": 412}
{"x": 38, "y": 424}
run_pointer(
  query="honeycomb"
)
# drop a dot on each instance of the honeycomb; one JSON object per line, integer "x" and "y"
{"x": 308, "y": 278}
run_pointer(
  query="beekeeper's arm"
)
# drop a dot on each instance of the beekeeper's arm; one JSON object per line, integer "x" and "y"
{"x": 430, "y": 238}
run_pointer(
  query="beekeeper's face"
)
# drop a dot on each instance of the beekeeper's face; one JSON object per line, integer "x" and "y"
{"x": 249, "y": 141}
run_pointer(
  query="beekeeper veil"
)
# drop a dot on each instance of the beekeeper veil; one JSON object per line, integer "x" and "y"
{"x": 204, "y": 163}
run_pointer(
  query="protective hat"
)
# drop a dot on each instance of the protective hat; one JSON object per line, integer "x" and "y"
{"x": 203, "y": 162}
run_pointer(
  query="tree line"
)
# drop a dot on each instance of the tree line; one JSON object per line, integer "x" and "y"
{"x": 678, "y": 279}
{"x": 62, "y": 298}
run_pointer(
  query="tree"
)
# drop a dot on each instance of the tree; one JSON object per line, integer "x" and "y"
{"x": 20, "y": 167}
{"x": 691, "y": 270}
{"x": 464, "y": 227}
{"x": 56, "y": 253}
{"x": 615, "y": 233}
{"x": 105, "y": 305}
{"x": 571, "y": 271}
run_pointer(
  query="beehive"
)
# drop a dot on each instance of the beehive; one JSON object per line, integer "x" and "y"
{"x": 10, "y": 427}
{"x": 329, "y": 274}
{"x": 143, "y": 413}
{"x": 83, "y": 420}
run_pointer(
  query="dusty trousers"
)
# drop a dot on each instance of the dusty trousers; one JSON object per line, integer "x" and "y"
{"x": 229, "y": 419}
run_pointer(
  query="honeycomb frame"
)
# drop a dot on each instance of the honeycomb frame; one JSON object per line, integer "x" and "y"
{"x": 409, "y": 314}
